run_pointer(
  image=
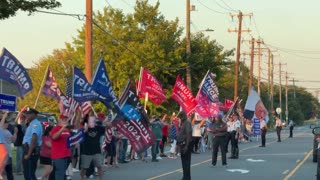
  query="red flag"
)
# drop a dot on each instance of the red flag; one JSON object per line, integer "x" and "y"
{"x": 155, "y": 99}
{"x": 183, "y": 96}
{"x": 149, "y": 84}
{"x": 228, "y": 103}
{"x": 205, "y": 107}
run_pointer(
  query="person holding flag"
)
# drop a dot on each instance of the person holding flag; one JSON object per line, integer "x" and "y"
{"x": 60, "y": 153}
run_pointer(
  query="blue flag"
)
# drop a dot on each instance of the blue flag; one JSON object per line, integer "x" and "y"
{"x": 12, "y": 71}
{"x": 102, "y": 85}
{"x": 82, "y": 89}
{"x": 209, "y": 87}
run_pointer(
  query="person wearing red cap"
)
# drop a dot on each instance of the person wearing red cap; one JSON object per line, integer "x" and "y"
{"x": 60, "y": 153}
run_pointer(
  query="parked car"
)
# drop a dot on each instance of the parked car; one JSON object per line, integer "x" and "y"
{"x": 316, "y": 133}
{"x": 45, "y": 118}
{"x": 316, "y": 152}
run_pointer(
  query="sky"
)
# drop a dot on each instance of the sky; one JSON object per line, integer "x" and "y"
{"x": 289, "y": 27}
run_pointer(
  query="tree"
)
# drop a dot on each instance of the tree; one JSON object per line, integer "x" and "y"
{"x": 127, "y": 42}
{"x": 9, "y": 8}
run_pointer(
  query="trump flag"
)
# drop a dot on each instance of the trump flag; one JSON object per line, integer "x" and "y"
{"x": 12, "y": 70}
{"x": 183, "y": 96}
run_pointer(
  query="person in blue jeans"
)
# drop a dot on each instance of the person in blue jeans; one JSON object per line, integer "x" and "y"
{"x": 19, "y": 150}
{"x": 156, "y": 126}
{"x": 123, "y": 149}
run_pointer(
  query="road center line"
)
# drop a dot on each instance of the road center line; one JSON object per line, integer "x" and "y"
{"x": 298, "y": 166}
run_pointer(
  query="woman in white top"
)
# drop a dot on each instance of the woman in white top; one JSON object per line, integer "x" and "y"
{"x": 197, "y": 123}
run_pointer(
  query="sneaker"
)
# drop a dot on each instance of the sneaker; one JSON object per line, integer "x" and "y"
{"x": 75, "y": 170}
{"x": 39, "y": 178}
{"x": 178, "y": 154}
{"x": 154, "y": 160}
{"x": 91, "y": 176}
{"x": 69, "y": 178}
{"x": 159, "y": 158}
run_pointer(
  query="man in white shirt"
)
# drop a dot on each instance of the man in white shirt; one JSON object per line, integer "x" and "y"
{"x": 235, "y": 130}
{"x": 263, "y": 132}
{"x": 278, "y": 127}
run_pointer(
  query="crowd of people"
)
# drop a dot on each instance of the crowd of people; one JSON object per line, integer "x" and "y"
{"x": 103, "y": 147}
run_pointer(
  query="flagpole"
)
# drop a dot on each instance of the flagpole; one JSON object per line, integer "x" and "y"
{"x": 139, "y": 81}
{"x": 145, "y": 102}
{"x": 45, "y": 75}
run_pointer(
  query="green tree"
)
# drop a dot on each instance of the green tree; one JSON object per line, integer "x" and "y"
{"x": 9, "y": 8}
{"x": 127, "y": 42}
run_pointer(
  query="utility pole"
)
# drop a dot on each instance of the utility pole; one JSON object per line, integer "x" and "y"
{"x": 240, "y": 16}
{"x": 188, "y": 42}
{"x": 251, "y": 66}
{"x": 280, "y": 90}
{"x": 259, "y": 61}
{"x": 271, "y": 90}
{"x": 269, "y": 73}
{"x": 88, "y": 42}
{"x": 287, "y": 112}
{"x": 294, "y": 90}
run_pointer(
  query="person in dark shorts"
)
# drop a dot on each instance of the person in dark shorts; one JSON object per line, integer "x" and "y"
{"x": 45, "y": 154}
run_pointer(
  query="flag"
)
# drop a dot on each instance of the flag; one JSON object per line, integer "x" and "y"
{"x": 12, "y": 70}
{"x": 149, "y": 84}
{"x": 231, "y": 110}
{"x": 85, "y": 108}
{"x": 134, "y": 124}
{"x": 72, "y": 106}
{"x": 50, "y": 87}
{"x": 103, "y": 86}
{"x": 205, "y": 107}
{"x": 208, "y": 97}
{"x": 228, "y": 103}
{"x": 82, "y": 89}
{"x": 255, "y": 108}
{"x": 183, "y": 96}
{"x": 209, "y": 87}
{"x": 155, "y": 99}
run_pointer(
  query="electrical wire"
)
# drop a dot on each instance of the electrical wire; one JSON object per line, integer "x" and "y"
{"x": 121, "y": 44}
{"x": 228, "y": 9}
{"x": 215, "y": 11}
{"x": 228, "y": 6}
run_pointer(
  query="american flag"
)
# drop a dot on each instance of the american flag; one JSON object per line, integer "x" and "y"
{"x": 84, "y": 107}
{"x": 73, "y": 105}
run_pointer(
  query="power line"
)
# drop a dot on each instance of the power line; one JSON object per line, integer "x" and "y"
{"x": 295, "y": 50}
{"x": 228, "y": 6}
{"x": 211, "y": 8}
{"x": 228, "y": 9}
{"x": 118, "y": 41}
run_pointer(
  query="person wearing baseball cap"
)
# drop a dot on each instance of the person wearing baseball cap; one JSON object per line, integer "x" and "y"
{"x": 60, "y": 153}
{"x": 32, "y": 141}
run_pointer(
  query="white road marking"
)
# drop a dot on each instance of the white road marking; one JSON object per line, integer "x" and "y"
{"x": 242, "y": 171}
{"x": 255, "y": 160}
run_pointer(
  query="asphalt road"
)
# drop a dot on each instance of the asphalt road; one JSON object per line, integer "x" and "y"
{"x": 289, "y": 159}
